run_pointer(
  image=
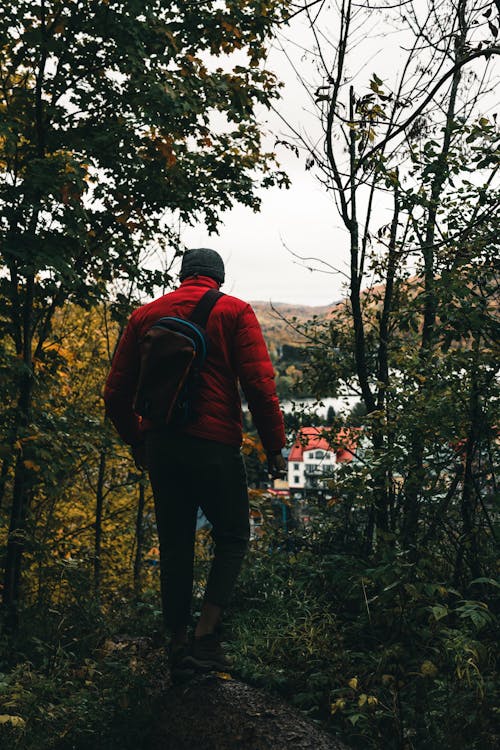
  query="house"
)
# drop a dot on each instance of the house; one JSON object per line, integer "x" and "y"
{"x": 313, "y": 458}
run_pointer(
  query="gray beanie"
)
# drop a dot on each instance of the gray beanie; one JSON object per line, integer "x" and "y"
{"x": 201, "y": 261}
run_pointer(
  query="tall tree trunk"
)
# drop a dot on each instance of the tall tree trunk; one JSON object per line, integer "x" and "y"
{"x": 357, "y": 313}
{"x": 23, "y": 473}
{"x": 468, "y": 500}
{"x": 16, "y": 544}
{"x": 416, "y": 472}
{"x": 23, "y": 337}
{"x": 17, "y": 530}
{"x": 98, "y": 520}
{"x": 355, "y": 275}
{"x": 6, "y": 464}
{"x": 139, "y": 534}
{"x": 382, "y": 477}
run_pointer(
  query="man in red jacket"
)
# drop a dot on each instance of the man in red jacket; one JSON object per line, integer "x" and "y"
{"x": 200, "y": 464}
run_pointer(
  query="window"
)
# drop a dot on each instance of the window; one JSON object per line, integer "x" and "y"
{"x": 296, "y": 479}
{"x": 318, "y": 454}
{"x": 295, "y": 467}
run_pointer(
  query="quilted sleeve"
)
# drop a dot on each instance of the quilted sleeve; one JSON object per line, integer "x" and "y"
{"x": 256, "y": 375}
{"x": 121, "y": 385}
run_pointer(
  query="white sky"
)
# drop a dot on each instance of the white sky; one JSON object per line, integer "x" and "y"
{"x": 258, "y": 265}
{"x": 303, "y": 218}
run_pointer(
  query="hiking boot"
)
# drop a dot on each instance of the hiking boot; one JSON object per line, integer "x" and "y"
{"x": 206, "y": 653}
{"x": 177, "y": 660}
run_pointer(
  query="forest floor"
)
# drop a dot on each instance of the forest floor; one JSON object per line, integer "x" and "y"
{"x": 219, "y": 712}
{"x": 214, "y": 713}
{"x": 122, "y": 697}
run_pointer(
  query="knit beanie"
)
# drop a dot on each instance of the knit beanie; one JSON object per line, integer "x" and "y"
{"x": 201, "y": 261}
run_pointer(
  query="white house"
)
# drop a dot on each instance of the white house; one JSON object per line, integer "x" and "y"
{"x": 313, "y": 458}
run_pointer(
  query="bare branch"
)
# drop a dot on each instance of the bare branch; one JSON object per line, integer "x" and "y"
{"x": 460, "y": 64}
{"x": 333, "y": 269}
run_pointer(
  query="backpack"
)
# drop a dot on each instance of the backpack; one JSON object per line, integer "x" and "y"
{"x": 173, "y": 352}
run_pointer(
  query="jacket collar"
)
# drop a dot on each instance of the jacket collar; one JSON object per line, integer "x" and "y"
{"x": 204, "y": 281}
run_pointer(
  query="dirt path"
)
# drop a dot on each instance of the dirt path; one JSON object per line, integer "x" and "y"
{"x": 211, "y": 713}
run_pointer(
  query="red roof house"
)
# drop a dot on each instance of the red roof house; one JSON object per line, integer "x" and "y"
{"x": 314, "y": 456}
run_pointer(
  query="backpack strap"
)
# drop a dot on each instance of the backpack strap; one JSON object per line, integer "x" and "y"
{"x": 204, "y": 307}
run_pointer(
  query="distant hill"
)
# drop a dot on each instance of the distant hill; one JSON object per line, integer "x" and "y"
{"x": 275, "y": 319}
{"x": 286, "y": 346}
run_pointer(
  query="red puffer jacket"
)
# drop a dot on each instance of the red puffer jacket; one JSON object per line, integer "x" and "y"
{"x": 236, "y": 351}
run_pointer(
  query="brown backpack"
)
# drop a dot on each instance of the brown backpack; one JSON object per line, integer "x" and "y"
{"x": 173, "y": 352}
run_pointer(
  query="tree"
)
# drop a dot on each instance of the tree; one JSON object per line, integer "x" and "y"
{"x": 108, "y": 130}
{"x": 419, "y": 147}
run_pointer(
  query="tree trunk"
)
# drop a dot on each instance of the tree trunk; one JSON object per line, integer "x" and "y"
{"x": 23, "y": 474}
{"x": 98, "y": 520}
{"x": 468, "y": 500}
{"x": 382, "y": 477}
{"x": 6, "y": 464}
{"x": 355, "y": 276}
{"x": 139, "y": 535}
{"x": 416, "y": 473}
{"x": 19, "y": 512}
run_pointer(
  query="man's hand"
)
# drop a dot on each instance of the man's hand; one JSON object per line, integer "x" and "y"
{"x": 139, "y": 456}
{"x": 276, "y": 465}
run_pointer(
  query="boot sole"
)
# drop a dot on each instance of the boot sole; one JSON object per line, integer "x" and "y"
{"x": 206, "y": 665}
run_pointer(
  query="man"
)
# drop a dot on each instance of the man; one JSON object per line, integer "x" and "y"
{"x": 200, "y": 464}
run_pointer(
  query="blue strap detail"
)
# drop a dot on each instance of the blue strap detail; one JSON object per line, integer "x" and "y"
{"x": 163, "y": 323}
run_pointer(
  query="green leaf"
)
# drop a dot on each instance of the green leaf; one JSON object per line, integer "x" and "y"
{"x": 439, "y": 611}
{"x": 489, "y": 581}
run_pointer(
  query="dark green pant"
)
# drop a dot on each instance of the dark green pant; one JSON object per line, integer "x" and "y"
{"x": 187, "y": 473}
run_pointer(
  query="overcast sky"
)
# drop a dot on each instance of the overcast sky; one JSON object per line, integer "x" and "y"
{"x": 257, "y": 248}
{"x": 303, "y": 218}
{"x": 258, "y": 265}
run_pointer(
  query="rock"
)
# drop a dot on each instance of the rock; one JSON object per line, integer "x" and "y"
{"x": 213, "y": 713}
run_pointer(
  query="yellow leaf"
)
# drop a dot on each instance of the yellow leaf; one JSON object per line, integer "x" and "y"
{"x": 337, "y": 706}
{"x": 223, "y": 676}
{"x": 428, "y": 669}
{"x": 15, "y": 721}
{"x": 353, "y": 683}
{"x": 362, "y": 699}
{"x": 31, "y": 465}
